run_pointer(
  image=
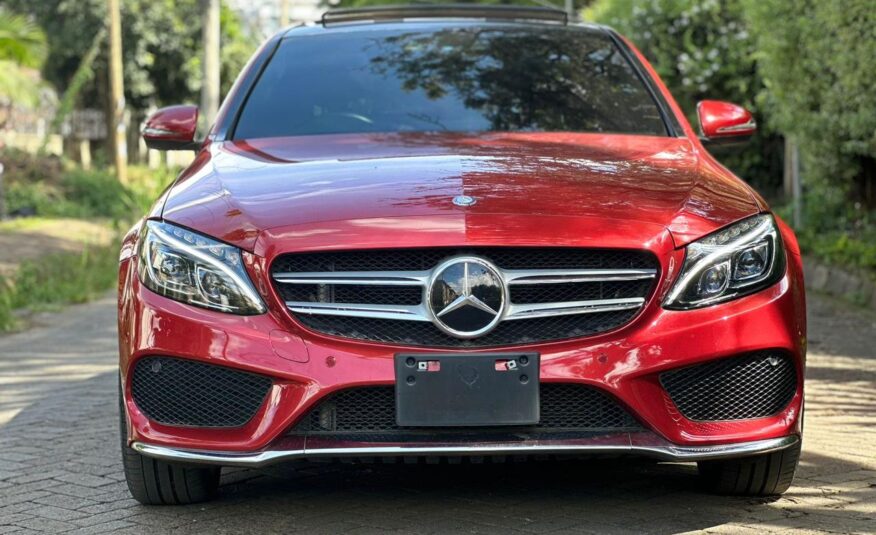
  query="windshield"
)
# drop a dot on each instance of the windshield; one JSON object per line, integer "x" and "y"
{"x": 458, "y": 79}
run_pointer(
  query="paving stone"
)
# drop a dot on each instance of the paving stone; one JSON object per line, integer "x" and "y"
{"x": 46, "y": 525}
{"x": 85, "y": 480}
{"x": 12, "y": 497}
{"x": 34, "y": 476}
{"x": 77, "y": 491}
{"x": 15, "y": 518}
{"x": 64, "y": 501}
{"x": 93, "y": 519}
{"x": 108, "y": 527}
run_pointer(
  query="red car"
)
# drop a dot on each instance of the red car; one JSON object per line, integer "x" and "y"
{"x": 457, "y": 233}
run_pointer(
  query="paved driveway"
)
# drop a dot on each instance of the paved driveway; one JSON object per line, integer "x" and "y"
{"x": 60, "y": 468}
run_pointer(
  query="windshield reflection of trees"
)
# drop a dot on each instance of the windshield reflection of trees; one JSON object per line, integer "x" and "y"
{"x": 522, "y": 80}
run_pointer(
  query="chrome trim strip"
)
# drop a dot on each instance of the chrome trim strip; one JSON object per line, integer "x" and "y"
{"x": 749, "y": 125}
{"x": 566, "y": 308}
{"x": 659, "y": 449}
{"x": 389, "y": 312}
{"x": 376, "y": 278}
{"x": 419, "y": 312}
{"x": 152, "y": 131}
{"x": 559, "y": 276}
{"x": 511, "y": 276}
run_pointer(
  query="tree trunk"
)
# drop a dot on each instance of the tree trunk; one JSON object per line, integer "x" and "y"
{"x": 118, "y": 138}
{"x": 210, "y": 87}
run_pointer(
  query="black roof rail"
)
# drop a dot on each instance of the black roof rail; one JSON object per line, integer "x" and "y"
{"x": 444, "y": 11}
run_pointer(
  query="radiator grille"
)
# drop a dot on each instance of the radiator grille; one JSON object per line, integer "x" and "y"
{"x": 336, "y": 292}
{"x": 564, "y": 407}
{"x": 739, "y": 388}
{"x": 186, "y": 393}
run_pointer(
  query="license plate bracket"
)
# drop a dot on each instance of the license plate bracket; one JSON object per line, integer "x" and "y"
{"x": 466, "y": 390}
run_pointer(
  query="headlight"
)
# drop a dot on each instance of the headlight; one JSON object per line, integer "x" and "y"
{"x": 188, "y": 267}
{"x": 738, "y": 260}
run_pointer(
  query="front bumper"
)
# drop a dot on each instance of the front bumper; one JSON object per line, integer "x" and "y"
{"x": 305, "y": 368}
{"x": 638, "y": 444}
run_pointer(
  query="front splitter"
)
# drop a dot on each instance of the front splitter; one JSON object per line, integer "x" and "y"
{"x": 634, "y": 444}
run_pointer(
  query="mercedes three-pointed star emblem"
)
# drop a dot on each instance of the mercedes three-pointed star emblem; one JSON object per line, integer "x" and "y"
{"x": 464, "y": 200}
{"x": 466, "y": 297}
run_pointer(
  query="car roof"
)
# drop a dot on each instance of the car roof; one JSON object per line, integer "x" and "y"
{"x": 401, "y": 17}
{"x": 375, "y": 13}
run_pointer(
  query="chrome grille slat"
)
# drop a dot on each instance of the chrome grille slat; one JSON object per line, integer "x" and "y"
{"x": 379, "y": 278}
{"x": 560, "y": 276}
{"x": 419, "y": 312}
{"x": 420, "y": 278}
{"x": 544, "y": 310}
{"x": 604, "y": 288}
{"x": 355, "y": 310}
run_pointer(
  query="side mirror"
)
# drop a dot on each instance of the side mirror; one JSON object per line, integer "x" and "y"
{"x": 723, "y": 122}
{"x": 172, "y": 128}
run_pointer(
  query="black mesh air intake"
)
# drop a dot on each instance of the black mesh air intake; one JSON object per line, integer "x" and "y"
{"x": 738, "y": 388}
{"x": 427, "y": 258}
{"x": 186, "y": 393}
{"x": 564, "y": 407}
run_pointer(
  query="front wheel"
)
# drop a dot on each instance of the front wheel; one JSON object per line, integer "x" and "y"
{"x": 154, "y": 482}
{"x": 760, "y": 475}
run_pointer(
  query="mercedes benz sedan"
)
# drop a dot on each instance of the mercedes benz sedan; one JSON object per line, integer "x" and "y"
{"x": 457, "y": 233}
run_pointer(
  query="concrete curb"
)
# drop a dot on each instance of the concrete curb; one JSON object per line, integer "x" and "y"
{"x": 843, "y": 283}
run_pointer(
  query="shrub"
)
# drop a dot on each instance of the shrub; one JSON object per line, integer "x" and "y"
{"x": 93, "y": 194}
{"x": 24, "y": 167}
{"x": 75, "y": 192}
{"x": 57, "y": 279}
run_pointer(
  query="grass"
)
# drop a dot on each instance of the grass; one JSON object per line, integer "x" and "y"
{"x": 55, "y": 280}
{"x": 856, "y": 252}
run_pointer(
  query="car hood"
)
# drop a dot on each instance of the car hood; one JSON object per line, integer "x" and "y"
{"x": 238, "y": 190}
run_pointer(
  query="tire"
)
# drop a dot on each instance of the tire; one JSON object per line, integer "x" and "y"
{"x": 154, "y": 482}
{"x": 769, "y": 474}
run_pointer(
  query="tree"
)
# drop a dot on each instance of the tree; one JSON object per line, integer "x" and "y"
{"x": 211, "y": 29}
{"x": 21, "y": 41}
{"x": 162, "y": 40}
{"x": 22, "y": 49}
